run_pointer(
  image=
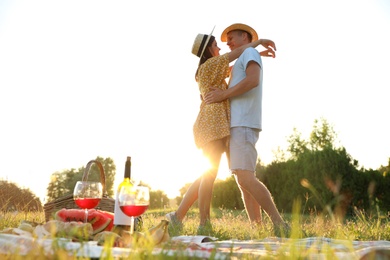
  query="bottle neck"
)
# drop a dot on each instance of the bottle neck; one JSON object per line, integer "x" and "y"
{"x": 128, "y": 168}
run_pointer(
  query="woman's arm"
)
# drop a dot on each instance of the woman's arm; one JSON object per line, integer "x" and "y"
{"x": 268, "y": 44}
{"x": 268, "y": 53}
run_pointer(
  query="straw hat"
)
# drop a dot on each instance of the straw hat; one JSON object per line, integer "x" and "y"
{"x": 241, "y": 27}
{"x": 200, "y": 43}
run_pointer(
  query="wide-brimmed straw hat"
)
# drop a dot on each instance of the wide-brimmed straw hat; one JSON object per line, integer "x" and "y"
{"x": 241, "y": 27}
{"x": 200, "y": 43}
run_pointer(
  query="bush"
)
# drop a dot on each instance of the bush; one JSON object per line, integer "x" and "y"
{"x": 13, "y": 198}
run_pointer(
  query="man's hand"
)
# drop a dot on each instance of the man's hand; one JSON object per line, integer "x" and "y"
{"x": 214, "y": 95}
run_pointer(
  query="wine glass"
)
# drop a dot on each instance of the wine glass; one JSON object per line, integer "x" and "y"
{"x": 133, "y": 201}
{"x": 87, "y": 195}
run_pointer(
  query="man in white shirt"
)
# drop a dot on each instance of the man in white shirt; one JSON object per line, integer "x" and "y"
{"x": 245, "y": 94}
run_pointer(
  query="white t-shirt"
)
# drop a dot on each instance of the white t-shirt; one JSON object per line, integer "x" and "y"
{"x": 246, "y": 108}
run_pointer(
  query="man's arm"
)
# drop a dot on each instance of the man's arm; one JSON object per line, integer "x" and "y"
{"x": 249, "y": 82}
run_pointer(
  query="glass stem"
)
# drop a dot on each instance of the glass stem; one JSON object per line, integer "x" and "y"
{"x": 131, "y": 225}
{"x": 86, "y": 215}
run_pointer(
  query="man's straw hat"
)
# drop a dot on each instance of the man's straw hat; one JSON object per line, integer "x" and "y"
{"x": 200, "y": 43}
{"x": 241, "y": 27}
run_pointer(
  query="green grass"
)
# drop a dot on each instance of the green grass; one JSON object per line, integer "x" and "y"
{"x": 234, "y": 224}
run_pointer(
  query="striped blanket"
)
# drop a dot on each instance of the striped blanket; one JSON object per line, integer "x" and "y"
{"x": 307, "y": 248}
{"x": 209, "y": 247}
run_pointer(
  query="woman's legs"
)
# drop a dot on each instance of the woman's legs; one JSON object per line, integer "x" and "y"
{"x": 189, "y": 199}
{"x": 213, "y": 151}
{"x": 205, "y": 195}
{"x": 202, "y": 187}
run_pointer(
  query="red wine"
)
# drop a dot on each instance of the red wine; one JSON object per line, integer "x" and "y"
{"x": 134, "y": 210}
{"x": 87, "y": 203}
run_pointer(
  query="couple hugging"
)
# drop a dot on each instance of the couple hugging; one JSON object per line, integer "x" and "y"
{"x": 229, "y": 121}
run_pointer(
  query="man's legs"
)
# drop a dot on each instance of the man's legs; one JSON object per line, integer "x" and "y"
{"x": 249, "y": 183}
{"x": 252, "y": 208}
{"x": 243, "y": 164}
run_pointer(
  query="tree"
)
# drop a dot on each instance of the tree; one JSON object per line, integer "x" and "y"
{"x": 14, "y": 198}
{"x": 59, "y": 184}
{"x": 62, "y": 183}
{"x": 158, "y": 199}
{"x": 385, "y": 170}
{"x": 323, "y": 135}
{"x": 331, "y": 176}
{"x": 226, "y": 194}
{"x": 297, "y": 145}
{"x": 183, "y": 191}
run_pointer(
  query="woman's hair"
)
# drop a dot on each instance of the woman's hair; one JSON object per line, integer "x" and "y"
{"x": 206, "y": 54}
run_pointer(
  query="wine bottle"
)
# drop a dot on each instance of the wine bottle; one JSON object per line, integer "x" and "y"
{"x": 122, "y": 221}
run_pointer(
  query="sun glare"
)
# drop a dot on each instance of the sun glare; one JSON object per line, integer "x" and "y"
{"x": 204, "y": 165}
{"x": 200, "y": 164}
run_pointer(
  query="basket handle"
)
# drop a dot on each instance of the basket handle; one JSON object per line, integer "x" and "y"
{"x": 102, "y": 175}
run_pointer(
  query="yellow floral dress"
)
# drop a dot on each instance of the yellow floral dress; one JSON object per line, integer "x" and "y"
{"x": 213, "y": 120}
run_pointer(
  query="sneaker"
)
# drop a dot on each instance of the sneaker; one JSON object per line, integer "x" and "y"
{"x": 173, "y": 220}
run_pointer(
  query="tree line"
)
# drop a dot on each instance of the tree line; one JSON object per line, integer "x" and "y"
{"x": 314, "y": 172}
{"x": 62, "y": 183}
{"x": 318, "y": 175}
{"x": 14, "y": 198}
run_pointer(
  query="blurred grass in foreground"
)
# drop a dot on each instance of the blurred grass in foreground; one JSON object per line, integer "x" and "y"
{"x": 234, "y": 224}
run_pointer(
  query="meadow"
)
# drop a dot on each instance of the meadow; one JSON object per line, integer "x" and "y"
{"x": 233, "y": 224}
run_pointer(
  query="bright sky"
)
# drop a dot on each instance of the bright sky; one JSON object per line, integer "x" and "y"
{"x": 80, "y": 79}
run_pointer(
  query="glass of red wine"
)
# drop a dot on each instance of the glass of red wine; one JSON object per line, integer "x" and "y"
{"x": 133, "y": 201}
{"x": 87, "y": 195}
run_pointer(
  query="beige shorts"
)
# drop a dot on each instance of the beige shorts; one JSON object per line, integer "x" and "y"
{"x": 243, "y": 153}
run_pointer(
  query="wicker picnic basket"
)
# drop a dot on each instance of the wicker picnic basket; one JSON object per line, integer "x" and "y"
{"x": 67, "y": 201}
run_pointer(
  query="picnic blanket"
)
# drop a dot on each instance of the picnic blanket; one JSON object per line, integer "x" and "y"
{"x": 209, "y": 247}
{"x": 310, "y": 248}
